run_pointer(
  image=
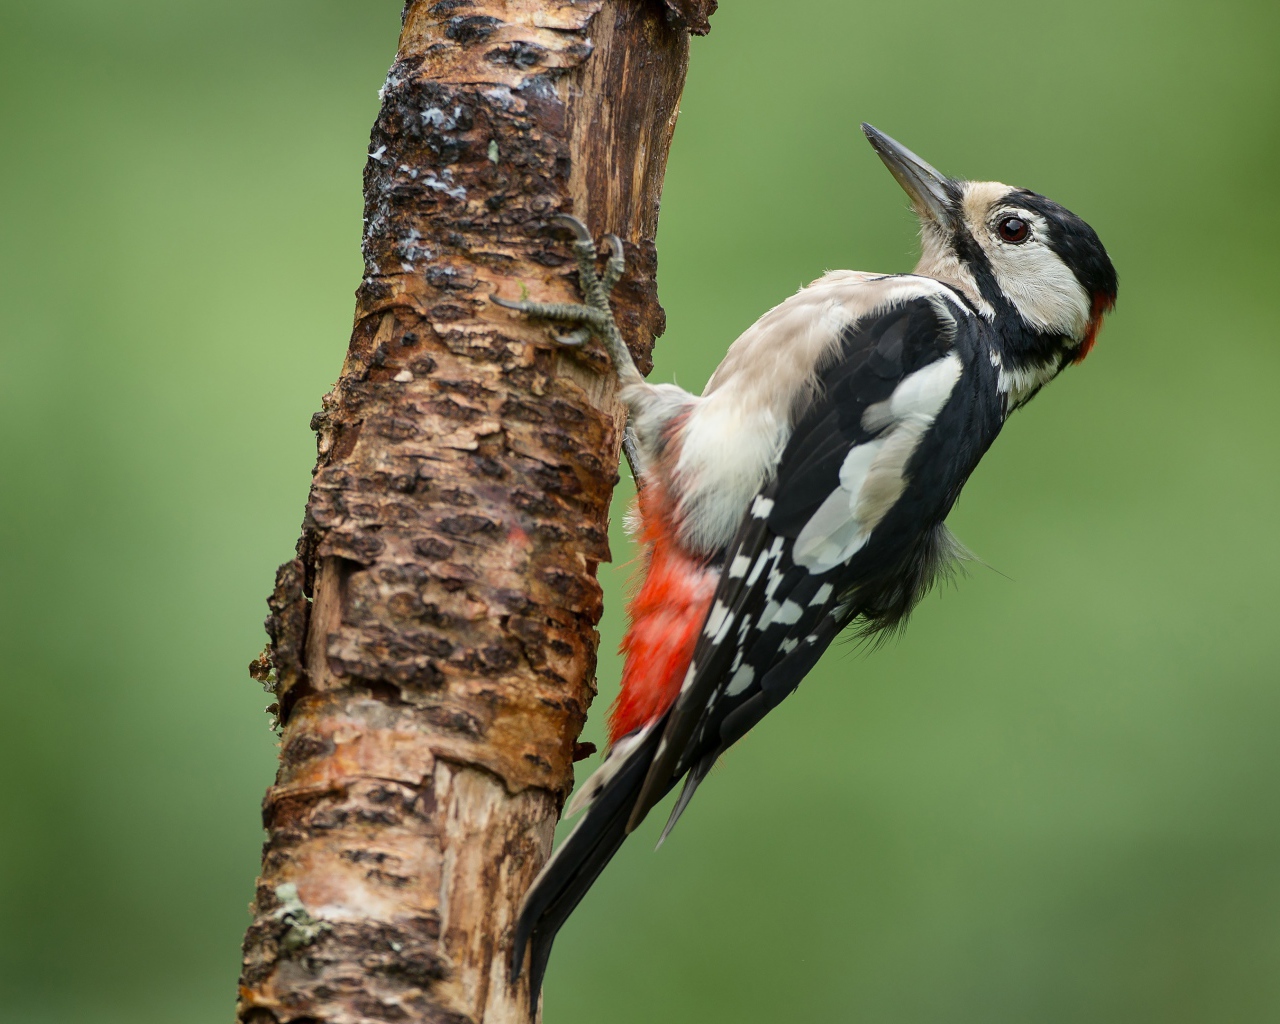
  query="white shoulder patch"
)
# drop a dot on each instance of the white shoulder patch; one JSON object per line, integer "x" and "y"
{"x": 873, "y": 475}
{"x": 922, "y": 393}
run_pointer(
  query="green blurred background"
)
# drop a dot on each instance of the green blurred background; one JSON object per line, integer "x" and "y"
{"x": 1056, "y": 799}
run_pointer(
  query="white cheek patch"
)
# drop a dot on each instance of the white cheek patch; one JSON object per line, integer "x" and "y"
{"x": 1032, "y": 276}
{"x": 873, "y": 475}
{"x": 1041, "y": 287}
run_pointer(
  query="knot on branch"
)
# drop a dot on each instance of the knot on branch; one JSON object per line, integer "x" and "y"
{"x": 691, "y": 15}
{"x": 302, "y": 928}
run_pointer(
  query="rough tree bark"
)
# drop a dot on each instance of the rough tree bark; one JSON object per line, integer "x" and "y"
{"x": 433, "y": 644}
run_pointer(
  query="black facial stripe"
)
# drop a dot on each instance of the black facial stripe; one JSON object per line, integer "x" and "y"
{"x": 1022, "y": 345}
{"x": 1073, "y": 240}
{"x": 971, "y": 255}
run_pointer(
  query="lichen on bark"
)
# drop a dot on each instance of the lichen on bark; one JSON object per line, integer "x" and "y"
{"x": 433, "y": 643}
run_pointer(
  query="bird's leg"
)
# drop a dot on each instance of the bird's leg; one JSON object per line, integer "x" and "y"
{"x": 594, "y": 316}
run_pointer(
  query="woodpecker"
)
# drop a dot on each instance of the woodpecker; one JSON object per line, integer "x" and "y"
{"x": 806, "y": 489}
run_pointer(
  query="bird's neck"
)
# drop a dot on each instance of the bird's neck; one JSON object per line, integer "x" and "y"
{"x": 940, "y": 261}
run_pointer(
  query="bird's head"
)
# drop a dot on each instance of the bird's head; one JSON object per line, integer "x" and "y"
{"x": 1010, "y": 250}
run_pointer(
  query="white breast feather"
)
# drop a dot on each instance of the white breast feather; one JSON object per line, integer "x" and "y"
{"x": 1021, "y": 384}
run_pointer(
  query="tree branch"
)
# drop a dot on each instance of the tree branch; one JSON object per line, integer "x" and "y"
{"x": 433, "y": 645}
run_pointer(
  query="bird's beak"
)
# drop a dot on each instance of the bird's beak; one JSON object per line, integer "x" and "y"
{"x": 930, "y": 191}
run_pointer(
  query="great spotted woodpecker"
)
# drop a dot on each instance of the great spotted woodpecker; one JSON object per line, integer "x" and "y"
{"x": 805, "y": 490}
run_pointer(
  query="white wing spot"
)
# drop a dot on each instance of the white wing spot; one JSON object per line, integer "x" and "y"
{"x": 872, "y": 476}
{"x": 787, "y": 646}
{"x": 723, "y": 631}
{"x": 822, "y": 596}
{"x": 716, "y": 621}
{"x": 773, "y": 554}
{"x": 743, "y": 629}
{"x": 767, "y": 616}
{"x": 788, "y": 614}
{"x": 743, "y": 678}
{"x": 761, "y": 507}
{"x": 738, "y": 569}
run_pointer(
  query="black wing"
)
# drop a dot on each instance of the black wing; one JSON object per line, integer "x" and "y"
{"x": 771, "y": 619}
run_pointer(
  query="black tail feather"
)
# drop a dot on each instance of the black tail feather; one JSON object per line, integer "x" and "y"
{"x": 577, "y": 863}
{"x": 543, "y": 931}
{"x": 692, "y": 781}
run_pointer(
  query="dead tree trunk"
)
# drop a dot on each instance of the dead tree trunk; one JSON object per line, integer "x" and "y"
{"x": 433, "y": 645}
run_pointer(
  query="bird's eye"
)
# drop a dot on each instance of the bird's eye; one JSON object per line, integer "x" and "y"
{"x": 1013, "y": 229}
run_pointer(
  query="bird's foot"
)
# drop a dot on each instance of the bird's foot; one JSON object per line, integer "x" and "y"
{"x": 594, "y": 315}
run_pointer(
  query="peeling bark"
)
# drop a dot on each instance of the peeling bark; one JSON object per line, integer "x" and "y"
{"x": 433, "y": 644}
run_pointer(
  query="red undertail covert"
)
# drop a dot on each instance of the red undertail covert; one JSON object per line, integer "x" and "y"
{"x": 665, "y": 616}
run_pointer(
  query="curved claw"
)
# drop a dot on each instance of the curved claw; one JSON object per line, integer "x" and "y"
{"x": 516, "y": 304}
{"x": 568, "y": 220}
{"x": 574, "y": 339}
{"x": 617, "y": 265}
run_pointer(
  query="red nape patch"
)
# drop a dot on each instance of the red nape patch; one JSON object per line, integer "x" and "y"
{"x": 1102, "y": 305}
{"x": 666, "y": 617}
